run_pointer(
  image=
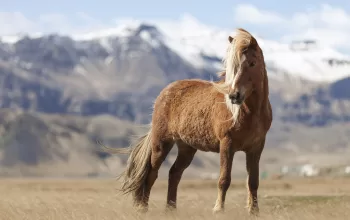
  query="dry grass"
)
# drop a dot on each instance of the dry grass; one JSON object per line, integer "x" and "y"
{"x": 98, "y": 199}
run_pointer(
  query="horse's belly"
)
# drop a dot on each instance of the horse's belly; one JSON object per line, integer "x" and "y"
{"x": 202, "y": 142}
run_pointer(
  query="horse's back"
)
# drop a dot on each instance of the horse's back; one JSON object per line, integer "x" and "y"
{"x": 184, "y": 111}
{"x": 185, "y": 92}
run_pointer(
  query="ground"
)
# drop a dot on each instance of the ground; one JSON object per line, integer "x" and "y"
{"x": 98, "y": 199}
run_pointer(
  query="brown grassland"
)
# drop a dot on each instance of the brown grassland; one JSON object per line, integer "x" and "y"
{"x": 98, "y": 199}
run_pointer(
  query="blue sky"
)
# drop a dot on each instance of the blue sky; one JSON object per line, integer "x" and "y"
{"x": 328, "y": 21}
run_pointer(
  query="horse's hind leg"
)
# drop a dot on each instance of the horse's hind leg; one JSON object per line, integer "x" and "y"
{"x": 183, "y": 160}
{"x": 160, "y": 150}
{"x": 252, "y": 161}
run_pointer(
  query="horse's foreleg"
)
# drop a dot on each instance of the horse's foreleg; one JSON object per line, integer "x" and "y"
{"x": 183, "y": 160}
{"x": 252, "y": 159}
{"x": 226, "y": 158}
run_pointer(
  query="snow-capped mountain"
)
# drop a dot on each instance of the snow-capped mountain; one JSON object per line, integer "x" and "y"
{"x": 121, "y": 70}
{"x": 204, "y": 46}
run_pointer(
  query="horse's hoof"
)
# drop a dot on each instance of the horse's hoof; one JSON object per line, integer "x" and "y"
{"x": 141, "y": 209}
{"x": 254, "y": 211}
{"x": 170, "y": 208}
{"x": 217, "y": 210}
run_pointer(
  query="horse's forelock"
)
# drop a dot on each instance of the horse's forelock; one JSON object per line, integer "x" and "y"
{"x": 241, "y": 41}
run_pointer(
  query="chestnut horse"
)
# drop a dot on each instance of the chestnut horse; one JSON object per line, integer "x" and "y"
{"x": 233, "y": 114}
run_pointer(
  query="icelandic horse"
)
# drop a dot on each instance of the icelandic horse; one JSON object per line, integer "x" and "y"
{"x": 226, "y": 116}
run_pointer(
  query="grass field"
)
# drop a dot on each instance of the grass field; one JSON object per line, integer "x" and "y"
{"x": 98, "y": 199}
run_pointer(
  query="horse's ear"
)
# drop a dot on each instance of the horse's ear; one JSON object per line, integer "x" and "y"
{"x": 230, "y": 39}
{"x": 253, "y": 42}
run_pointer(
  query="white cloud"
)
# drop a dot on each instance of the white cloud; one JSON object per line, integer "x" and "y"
{"x": 325, "y": 17}
{"x": 13, "y": 23}
{"x": 248, "y": 13}
{"x": 327, "y": 24}
{"x": 53, "y": 22}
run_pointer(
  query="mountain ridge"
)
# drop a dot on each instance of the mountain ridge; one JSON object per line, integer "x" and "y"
{"x": 192, "y": 40}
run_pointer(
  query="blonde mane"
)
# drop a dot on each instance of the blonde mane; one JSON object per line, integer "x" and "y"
{"x": 241, "y": 41}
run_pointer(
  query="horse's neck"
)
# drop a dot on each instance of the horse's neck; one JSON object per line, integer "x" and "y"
{"x": 253, "y": 104}
{"x": 259, "y": 100}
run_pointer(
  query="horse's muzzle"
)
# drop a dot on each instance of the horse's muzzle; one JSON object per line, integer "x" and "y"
{"x": 236, "y": 98}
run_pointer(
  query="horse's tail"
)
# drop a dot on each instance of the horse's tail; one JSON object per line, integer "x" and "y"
{"x": 126, "y": 150}
{"x": 138, "y": 165}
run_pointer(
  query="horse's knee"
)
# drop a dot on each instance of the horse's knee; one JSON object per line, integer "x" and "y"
{"x": 156, "y": 160}
{"x": 152, "y": 175}
{"x": 159, "y": 153}
{"x": 224, "y": 183}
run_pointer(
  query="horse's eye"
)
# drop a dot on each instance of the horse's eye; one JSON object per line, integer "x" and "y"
{"x": 252, "y": 64}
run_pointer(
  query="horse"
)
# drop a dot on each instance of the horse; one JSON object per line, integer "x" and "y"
{"x": 224, "y": 116}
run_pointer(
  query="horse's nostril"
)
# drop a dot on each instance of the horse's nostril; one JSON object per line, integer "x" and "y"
{"x": 235, "y": 95}
{"x": 238, "y": 95}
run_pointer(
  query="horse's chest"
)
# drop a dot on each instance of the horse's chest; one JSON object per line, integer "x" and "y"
{"x": 250, "y": 136}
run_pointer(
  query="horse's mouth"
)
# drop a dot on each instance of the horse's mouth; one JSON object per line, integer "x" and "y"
{"x": 236, "y": 101}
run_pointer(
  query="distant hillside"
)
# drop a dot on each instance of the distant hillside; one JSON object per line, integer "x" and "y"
{"x": 50, "y": 145}
{"x": 37, "y": 144}
{"x": 322, "y": 106}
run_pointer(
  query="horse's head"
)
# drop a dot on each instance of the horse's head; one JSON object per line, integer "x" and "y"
{"x": 245, "y": 67}
{"x": 249, "y": 72}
